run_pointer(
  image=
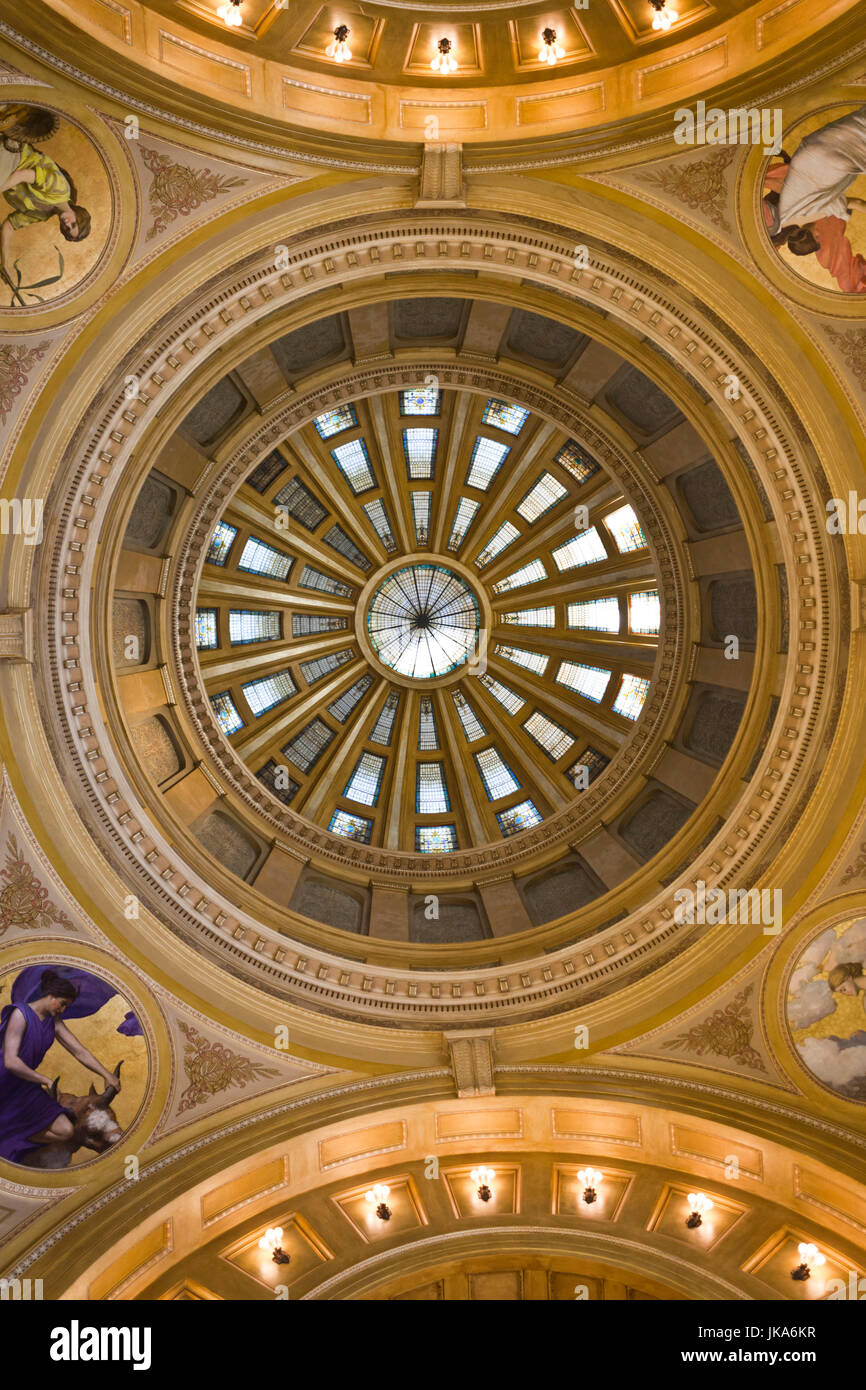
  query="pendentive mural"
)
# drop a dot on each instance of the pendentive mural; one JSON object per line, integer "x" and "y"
{"x": 826, "y": 1008}
{"x": 56, "y": 206}
{"x": 60, "y": 1026}
{"x": 814, "y": 200}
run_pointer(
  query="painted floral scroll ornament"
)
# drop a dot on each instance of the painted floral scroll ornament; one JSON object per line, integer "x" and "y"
{"x": 210, "y": 1068}
{"x": 24, "y": 902}
{"x": 726, "y": 1033}
{"x": 16, "y": 364}
{"x": 177, "y": 190}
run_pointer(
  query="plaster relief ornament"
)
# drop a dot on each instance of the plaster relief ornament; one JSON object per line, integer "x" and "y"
{"x": 16, "y": 364}
{"x": 24, "y": 901}
{"x": 211, "y": 1068}
{"x": 178, "y": 190}
{"x": 814, "y": 201}
{"x": 55, "y": 206}
{"x": 725, "y": 1033}
{"x": 51, "y": 1115}
{"x": 826, "y": 1008}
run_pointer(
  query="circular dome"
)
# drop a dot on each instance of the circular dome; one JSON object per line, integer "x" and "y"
{"x": 423, "y": 621}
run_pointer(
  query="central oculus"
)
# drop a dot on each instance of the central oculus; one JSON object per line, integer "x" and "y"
{"x": 423, "y": 620}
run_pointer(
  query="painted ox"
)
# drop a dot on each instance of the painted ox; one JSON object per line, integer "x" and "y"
{"x": 94, "y": 1126}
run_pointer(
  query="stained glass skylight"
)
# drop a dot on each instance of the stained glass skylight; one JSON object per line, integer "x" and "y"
{"x": 379, "y": 521}
{"x": 496, "y": 775}
{"x": 531, "y": 617}
{"x": 335, "y": 421}
{"x": 472, "y": 726}
{"x": 365, "y": 781}
{"x": 351, "y": 827}
{"x": 431, "y": 793}
{"x": 421, "y": 515}
{"x": 353, "y": 462}
{"x": 589, "y": 681}
{"x": 595, "y": 615}
{"x": 531, "y": 661}
{"x": 577, "y": 461}
{"x": 383, "y": 728}
{"x": 631, "y": 696}
{"x": 499, "y": 541}
{"x": 205, "y": 628}
{"x": 226, "y": 713}
{"x": 586, "y": 548}
{"x": 549, "y": 735}
{"x": 423, "y": 620}
{"x": 314, "y": 579}
{"x": 245, "y": 625}
{"x": 419, "y": 451}
{"x": 505, "y": 416}
{"x": 530, "y": 573}
{"x": 342, "y": 542}
{"x": 313, "y": 671}
{"x": 220, "y": 543}
{"x": 435, "y": 839}
{"x": 304, "y": 624}
{"x": 342, "y": 707}
{"x": 625, "y": 529}
{"x": 509, "y": 699}
{"x": 517, "y": 818}
{"x": 421, "y": 400}
{"x": 463, "y": 519}
{"x": 541, "y": 497}
{"x": 297, "y": 499}
{"x": 644, "y": 612}
{"x": 266, "y": 692}
{"x": 488, "y": 456}
{"x": 260, "y": 558}
{"x": 309, "y": 744}
{"x": 428, "y": 734}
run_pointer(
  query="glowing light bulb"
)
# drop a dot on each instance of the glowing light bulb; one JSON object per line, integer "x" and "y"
{"x": 230, "y": 14}
{"x": 444, "y": 60}
{"x": 338, "y": 48}
{"x": 272, "y": 1240}
{"x": 663, "y": 17}
{"x": 378, "y": 1197}
{"x": 811, "y": 1257}
{"x": 483, "y": 1179}
{"x": 590, "y": 1178}
{"x": 550, "y": 51}
{"x": 698, "y": 1204}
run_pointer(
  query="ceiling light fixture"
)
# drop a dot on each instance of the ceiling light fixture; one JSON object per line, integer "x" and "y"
{"x": 483, "y": 1179}
{"x": 809, "y": 1255}
{"x": 591, "y": 1178}
{"x": 550, "y": 51}
{"x": 230, "y": 14}
{"x": 444, "y": 61}
{"x": 273, "y": 1240}
{"x": 338, "y": 48}
{"x": 663, "y": 17}
{"x": 698, "y": 1204}
{"x": 378, "y": 1197}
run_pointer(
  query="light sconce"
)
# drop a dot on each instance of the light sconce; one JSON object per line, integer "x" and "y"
{"x": 338, "y": 48}
{"x": 550, "y": 51}
{"x": 664, "y": 17}
{"x": 444, "y": 61}
{"x": 698, "y": 1204}
{"x": 378, "y": 1197}
{"x": 591, "y": 1178}
{"x": 483, "y": 1179}
{"x": 810, "y": 1256}
{"x": 230, "y": 14}
{"x": 273, "y": 1240}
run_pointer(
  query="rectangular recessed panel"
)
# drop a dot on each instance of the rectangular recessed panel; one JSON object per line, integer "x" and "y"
{"x": 311, "y": 100}
{"x": 230, "y": 1195}
{"x": 687, "y": 1142}
{"x": 362, "y": 1143}
{"x": 689, "y": 73}
{"x": 561, "y": 106}
{"x": 455, "y": 117}
{"x": 208, "y": 67}
{"x": 611, "y": 1128}
{"x": 483, "y": 1124}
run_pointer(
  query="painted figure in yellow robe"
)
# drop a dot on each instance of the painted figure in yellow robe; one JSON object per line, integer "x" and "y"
{"x": 36, "y": 188}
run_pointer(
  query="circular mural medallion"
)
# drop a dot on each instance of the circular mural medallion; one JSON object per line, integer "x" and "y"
{"x": 826, "y": 1008}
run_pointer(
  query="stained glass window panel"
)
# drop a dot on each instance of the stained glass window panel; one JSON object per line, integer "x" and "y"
{"x": 595, "y": 615}
{"x": 365, "y": 781}
{"x": 383, "y": 728}
{"x": 531, "y": 617}
{"x": 496, "y": 775}
{"x": 463, "y": 519}
{"x": 589, "y": 765}
{"x": 499, "y": 541}
{"x": 276, "y": 778}
{"x": 267, "y": 471}
{"x": 314, "y": 579}
{"x": 307, "y": 747}
{"x": 335, "y": 421}
{"x": 549, "y": 735}
{"x": 509, "y": 699}
{"x": 313, "y": 671}
{"x": 488, "y": 456}
{"x": 205, "y": 628}
{"x": 263, "y": 694}
{"x": 505, "y": 416}
{"x": 296, "y": 499}
{"x": 631, "y": 696}
{"x": 421, "y": 516}
{"x": 421, "y": 400}
{"x": 589, "y": 681}
{"x": 530, "y": 573}
{"x": 583, "y": 549}
{"x": 541, "y": 497}
{"x": 247, "y": 626}
{"x": 644, "y": 612}
{"x": 259, "y": 558}
{"x": 428, "y": 736}
{"x": 351, "y": 827}
{"x": 577, "y": 461}
{"x": 472, "y": 726}
{"x": 342, "y": 707}
{"x": 353, "y": 462}
{"x": 431, "y": 793}
{"x": 303, "y": 624}
{"x": 226, "y": 714}
{"x": 339, "y": 540}
{"x": 419, "y": 451}
{"x": 379, "y": 521}
{"x": 625, "y": 529}
{"x": 531, "y": 661}
{"x": 435, "y": 839}
{"x": 220, "y": 543}
{"x": 517, "y": 818}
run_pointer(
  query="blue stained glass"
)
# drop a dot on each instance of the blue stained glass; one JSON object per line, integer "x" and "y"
{"x": 435, "y": 839}
{"x": 421, "y": 400}
{"x": 226, "y": 714}
{"x": 505, "y": 416}
{"x": 221, "y": 543}
{"x": 334, "y": 421}
{"x": 205, "y": 628}
{"x": 518, "y": 818}
{"x": 352, "y": 827}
